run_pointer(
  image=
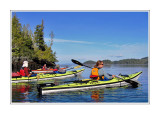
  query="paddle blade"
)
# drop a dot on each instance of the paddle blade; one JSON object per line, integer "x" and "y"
{"x": 79, "y": 63}
{"x": 77, "y": 67}
{"x": 134, "y": 84}
{"x": 76, "y": 62}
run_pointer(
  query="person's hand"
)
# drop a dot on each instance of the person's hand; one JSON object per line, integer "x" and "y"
{"x": 113, "y": 76}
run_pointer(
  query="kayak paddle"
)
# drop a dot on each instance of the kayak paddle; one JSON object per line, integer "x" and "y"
{"x": 74, "y": 67}
{"x": 133, "y": 83}
{"x": 79, "y": 63}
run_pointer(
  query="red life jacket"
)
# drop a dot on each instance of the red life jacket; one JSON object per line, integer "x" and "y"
{"x": 22, "y": 72}
{"x": 44, "y": 68}
{"x": 26, "y": 71}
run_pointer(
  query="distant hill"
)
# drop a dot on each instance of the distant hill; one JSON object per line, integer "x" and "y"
{"x": 132, "y": 61}
{"x": 89, "y": 62}
{"x": 107, "y": 61}
{"x": 123, "y": 61}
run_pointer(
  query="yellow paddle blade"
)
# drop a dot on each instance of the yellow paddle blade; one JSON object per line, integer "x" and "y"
{"x": 38, "y": 77}
{"x": 77, "y": 67}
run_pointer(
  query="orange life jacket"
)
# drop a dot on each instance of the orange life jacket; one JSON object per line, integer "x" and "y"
{"x": 94, "y": 74}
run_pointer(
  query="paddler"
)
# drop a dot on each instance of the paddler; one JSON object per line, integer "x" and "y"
{"x": 59, "y": 70}
{"x": 45, "y": 67}
{"x": 98, "y": 73}
{"x": 25, "y": 71}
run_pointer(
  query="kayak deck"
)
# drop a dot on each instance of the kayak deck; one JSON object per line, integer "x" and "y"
{"x": 48, "y": 76}
{"x": 91, "y": 84}
{"x": 45, "y": 71}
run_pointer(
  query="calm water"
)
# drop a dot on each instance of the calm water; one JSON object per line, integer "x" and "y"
{"x": 27, "y": 92}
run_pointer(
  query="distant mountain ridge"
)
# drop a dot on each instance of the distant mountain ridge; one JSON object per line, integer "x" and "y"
{"x": 123, "y": 61}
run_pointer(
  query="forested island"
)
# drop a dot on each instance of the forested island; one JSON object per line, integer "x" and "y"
{"x": 123, "y": 61}
{"x": 30, "y": 46}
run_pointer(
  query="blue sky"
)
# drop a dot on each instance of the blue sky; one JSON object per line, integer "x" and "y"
{"x": 93, "y": 35}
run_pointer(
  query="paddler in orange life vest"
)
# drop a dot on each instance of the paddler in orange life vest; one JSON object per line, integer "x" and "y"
{"x": 98, "y": 73}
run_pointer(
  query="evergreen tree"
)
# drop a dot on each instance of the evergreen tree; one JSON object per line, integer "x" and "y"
{"x": 27, "y": 49}
{"x": 25, "y": 45}
{"x": 22, "y": 45}
{"x": 16, "y": 36}
{"x": 39, "y": 37}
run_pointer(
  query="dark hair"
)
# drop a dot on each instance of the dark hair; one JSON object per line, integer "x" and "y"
{"x": 98, "y": 63}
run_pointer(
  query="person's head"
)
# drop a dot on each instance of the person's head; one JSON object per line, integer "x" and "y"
{"x": 45, "y": 65}
{"x": 25, "y": 64}
{"x": 57, "y": 67}
{"x": 99, "y": 64}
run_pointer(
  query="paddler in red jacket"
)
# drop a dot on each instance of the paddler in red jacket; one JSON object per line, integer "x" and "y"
{"x": 26, "y": 71}
{"x": 44, "y": 67}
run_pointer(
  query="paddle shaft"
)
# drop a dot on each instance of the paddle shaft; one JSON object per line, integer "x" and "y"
{"x": 79, "y": 63}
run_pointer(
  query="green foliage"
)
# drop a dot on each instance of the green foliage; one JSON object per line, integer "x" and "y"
{"x": 46, "y": 55}
{"x": 17, "y": 39}
{"x": 25, "y": 45}
{"x": 39, "y": 37}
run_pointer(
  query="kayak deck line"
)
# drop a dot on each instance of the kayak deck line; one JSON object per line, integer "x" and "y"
{"x": 115, "y": 82}
{"x": 49, "y": 76}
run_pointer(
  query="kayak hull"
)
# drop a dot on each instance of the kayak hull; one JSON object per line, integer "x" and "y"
{"x": 48, "y": 76}
{"x": 92, "y": 85}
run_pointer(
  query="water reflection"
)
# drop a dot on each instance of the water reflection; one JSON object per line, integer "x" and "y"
{"x": 20, "y": 91}
{"x": 97, "y": 95}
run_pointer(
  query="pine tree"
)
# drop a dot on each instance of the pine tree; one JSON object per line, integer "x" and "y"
{"x": 39, "y": 37}
{"x": 27, "y": 49}
{"x": 16, "y": 36}
{"x": 24, "y": 44}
